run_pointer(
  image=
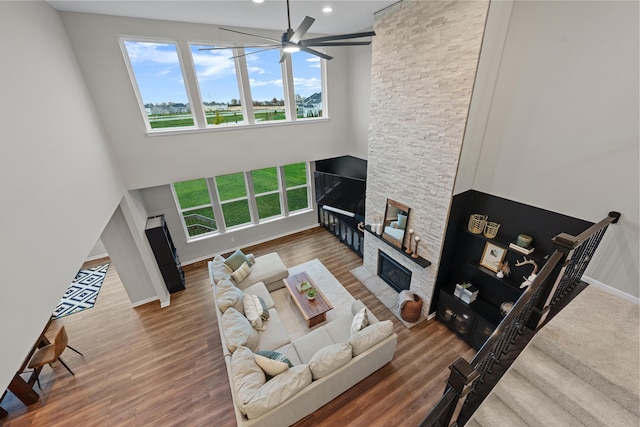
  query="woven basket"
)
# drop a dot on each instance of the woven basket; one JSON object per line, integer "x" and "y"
{"x": 477, "y": 223}
{"x": 411, "y": 309}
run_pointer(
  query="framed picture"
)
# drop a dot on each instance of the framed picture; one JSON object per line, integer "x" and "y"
{"x": 492, "y": 255}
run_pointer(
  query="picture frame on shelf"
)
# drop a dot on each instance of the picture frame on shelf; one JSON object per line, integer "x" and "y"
{"x": 492, "y": 256}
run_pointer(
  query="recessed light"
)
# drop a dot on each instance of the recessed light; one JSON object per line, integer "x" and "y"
{"x": 258, "y": 1}
{"x": 327, "y": 9}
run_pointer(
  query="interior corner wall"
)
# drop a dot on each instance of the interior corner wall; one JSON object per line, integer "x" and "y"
{"x": 60, "y": 182}
{"x": 424, "y": 63}
{"x": 359, "y": 99}
{"x": 563, "y": 123}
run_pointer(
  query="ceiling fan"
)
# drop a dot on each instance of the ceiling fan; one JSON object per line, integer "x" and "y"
{"x": 291, "y": 41}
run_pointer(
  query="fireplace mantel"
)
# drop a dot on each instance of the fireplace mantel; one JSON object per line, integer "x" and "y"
{"x": 420, "y": 261}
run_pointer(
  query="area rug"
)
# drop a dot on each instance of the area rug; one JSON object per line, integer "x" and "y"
{"x": 83, "y": 292}
{"x": 332, "y": 289}
{"x": 387, "y": 296}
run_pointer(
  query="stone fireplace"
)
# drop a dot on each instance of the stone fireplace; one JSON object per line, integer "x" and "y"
{"x": 418, "y": 114}
{"x": 393, "y": 273}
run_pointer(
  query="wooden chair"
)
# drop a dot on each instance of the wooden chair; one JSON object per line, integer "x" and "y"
{"x": 50, "y": 353}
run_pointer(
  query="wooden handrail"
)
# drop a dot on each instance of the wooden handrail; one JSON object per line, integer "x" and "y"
{"x": 571, "y": 242}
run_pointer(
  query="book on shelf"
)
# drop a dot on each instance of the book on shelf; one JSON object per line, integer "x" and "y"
{"x": 520, "y": 249}
{"x": 466, "y": 292}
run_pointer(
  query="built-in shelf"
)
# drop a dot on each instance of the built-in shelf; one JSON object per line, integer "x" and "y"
{"x": 535, "y": 255}
{"x": 420, "y": 261}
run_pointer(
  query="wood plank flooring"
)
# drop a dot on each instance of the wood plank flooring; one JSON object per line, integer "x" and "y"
{"x": 163, "y": 367}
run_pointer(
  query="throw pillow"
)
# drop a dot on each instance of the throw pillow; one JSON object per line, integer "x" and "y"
{"x": 371, "y": 335}
{"x": 240, "y": 274}
{"x": 328, "y": 359}
{"x": 274, "y": 355}
{"x": 261, "y": 306}
{"x": 360, "y": 321}
{"x": 238, "y": 331}
{"x": 236, "y": 259}
{"x": 228, "y": 295}
{"x": 402, "y": 221}
{"x": 251, "y": 259}
{"x": 247, "y": 376}
{"x": 251, "y": 312}
{"x": 269, "y": 366}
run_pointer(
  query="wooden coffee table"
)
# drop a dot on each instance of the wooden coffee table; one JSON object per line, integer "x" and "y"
{"x": 314, "y": 311}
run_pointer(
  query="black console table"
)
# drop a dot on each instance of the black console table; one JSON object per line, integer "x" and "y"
{"x": 420, "y": 261}
{"x": 344, "y": 227}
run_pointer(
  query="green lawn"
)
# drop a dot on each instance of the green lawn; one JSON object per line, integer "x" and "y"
{"x": 165, "y": 121}
{"x": 194, "y": 193}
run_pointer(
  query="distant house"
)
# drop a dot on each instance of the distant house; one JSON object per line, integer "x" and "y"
{"x": 167, "y": 108}
{"x": 311, "y": 106}
{"x": 214, "y": 106}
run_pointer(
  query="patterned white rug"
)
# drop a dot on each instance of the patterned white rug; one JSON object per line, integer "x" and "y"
{"x": 332, "y": 289}
{"x": 83, "y": 292}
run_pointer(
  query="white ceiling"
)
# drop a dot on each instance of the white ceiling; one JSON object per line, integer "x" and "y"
{"x": 348, "y": 16}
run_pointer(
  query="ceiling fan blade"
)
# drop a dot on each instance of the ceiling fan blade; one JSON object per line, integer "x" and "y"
{"x": 233, "y": 47}
{"x": 304, "y": 43}
{"x": 252, "y": 35}
{"x": 302, "y": 29}
{"x": 340, "y": 37}
{"x": 257, "y": 51}
{"x": 315, "y": 52}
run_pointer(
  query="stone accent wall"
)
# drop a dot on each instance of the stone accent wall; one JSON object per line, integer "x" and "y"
{"x": 424, "y": 60}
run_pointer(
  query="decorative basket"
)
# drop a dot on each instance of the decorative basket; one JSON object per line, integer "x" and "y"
{"x": 477, "y": 223}
{"x": 411, "y": 309}
{"x": 491, "y": 230}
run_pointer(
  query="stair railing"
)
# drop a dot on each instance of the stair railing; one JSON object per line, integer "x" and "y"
{"x": 560, "y": 274}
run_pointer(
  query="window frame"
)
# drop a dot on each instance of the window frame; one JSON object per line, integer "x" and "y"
{"x": 181, "y": 212}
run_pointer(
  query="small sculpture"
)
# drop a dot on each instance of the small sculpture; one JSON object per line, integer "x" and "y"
{"x": 409, "y": 251}
{"x": 415, "y": 252}
{"x": 528, "y": 280}
{"x": 503, "y": 269}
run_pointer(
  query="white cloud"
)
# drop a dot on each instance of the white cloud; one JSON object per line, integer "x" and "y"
{"x": 214, "y": 64}
{"x": 314, "y": 62}
{"x": 307, "y": 86}
{"x": 259, "y": 83}
{"x": 256, "y": 70}
{"x": 160, "y": 53}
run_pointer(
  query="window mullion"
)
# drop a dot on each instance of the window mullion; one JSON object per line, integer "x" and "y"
{"x": 245, "y": 87}
{"x": 284, "y": 198}
{"x": 191, "y": 83}
{"x": 215, "y": 204}
{"x": 251, "y": 195}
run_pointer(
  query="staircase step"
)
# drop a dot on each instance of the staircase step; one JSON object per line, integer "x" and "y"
{"x": 531, "y": 404}
{"x": 493, "y": 412}
{"x": 589, "y": 405}
{"x": 597, "y": 336}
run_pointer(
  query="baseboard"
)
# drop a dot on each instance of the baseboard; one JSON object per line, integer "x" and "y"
{"x": 144, "y": 301}
{"x": 611, "y": 290}
{"x": 256, "y": 242}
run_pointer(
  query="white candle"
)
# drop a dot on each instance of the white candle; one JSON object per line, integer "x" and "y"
{"x": 411, "y": 231}
{"x": 417, "y": 238}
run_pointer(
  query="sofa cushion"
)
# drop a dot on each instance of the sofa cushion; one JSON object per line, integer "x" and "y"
{"x": 328, "y": 359}
{"x": 248, "y": 377}
{"x": 261, "y": 290}
{"x": 275, "y": 355}
{"x": 360, "y": 321}
{"x": 251, "y": 312}
{"x": 268, "y": 268}
{"x": 243, "y": 271}
{"x": 289, "y": 352}
{"x": 370, "y": 336}
{"x": 271, "y": 367}
{"x": 339, "y": 329}
{"x": 277, "y": 390}
{"x": 228, "y": 295}
{"x": 220, "y": 272}
{"x": 238, "y": 331}
{"x": 235, "y": 260}
{"x": 274, "y": 334}
{"x": 309, "y": 344}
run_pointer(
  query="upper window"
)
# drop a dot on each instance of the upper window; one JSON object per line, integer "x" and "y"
{"x": 297, "y": 186}
{"x": 265, "y": 79}
{"x": 267, "y": 192}
{"x": 232, "y": 191}
{"x": 195, "y": 206}
{"x": 218, "y": 82}
{"x": 160, "y": 83}
{"x": 307, "y": 84}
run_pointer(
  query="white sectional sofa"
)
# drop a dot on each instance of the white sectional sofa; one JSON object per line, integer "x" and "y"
{"x": 326, "y": 361}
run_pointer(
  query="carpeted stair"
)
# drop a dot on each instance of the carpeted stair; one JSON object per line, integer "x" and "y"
{"x": 581, "y": 369}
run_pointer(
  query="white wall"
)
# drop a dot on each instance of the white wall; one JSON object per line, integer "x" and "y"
{"x": 60, "y": 183}
{"x": 562, "y": 130}
{"x": 148, "y": 161}
{"x": 359, "y": 99}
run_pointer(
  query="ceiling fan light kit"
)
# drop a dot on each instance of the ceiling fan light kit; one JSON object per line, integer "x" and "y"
{"x": 291, "y": 41}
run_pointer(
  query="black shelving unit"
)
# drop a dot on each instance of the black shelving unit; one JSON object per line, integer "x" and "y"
{"x": 165, "y": 253}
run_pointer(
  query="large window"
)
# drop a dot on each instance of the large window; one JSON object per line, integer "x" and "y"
{"x": 195, "y": 206}
{"x": 209, "y": 206}
{"x": 218, "y": 82}
{"x": 265, "y": 79}
{"x": 267, "y": 192}
{"x": 232, "y": 192}
{"x": 307, "y": 84}
{"x": 160, "y": 84}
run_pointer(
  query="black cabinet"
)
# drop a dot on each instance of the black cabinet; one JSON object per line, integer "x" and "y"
{"x": 344, "y": 228}
{"x": 165, "y": 253}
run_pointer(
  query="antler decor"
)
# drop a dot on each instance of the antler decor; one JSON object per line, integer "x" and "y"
{"x": 528, "y": 280}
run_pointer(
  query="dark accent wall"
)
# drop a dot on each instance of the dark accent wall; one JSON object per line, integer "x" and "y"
{"x": 349, "y": 166}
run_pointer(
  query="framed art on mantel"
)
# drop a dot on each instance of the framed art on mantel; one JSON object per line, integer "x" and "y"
{"x": 492, "y": 256}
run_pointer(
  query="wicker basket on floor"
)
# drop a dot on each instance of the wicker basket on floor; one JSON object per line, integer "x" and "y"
{"x": 411, "y": 309}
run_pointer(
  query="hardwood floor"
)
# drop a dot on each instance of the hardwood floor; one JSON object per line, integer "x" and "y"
{"x": 163, "y": 367}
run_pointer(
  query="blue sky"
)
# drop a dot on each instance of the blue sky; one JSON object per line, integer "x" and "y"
{"x": 159, "y": 77}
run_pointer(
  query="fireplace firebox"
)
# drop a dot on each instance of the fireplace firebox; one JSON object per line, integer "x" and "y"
{"x": 394, "y": 274}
